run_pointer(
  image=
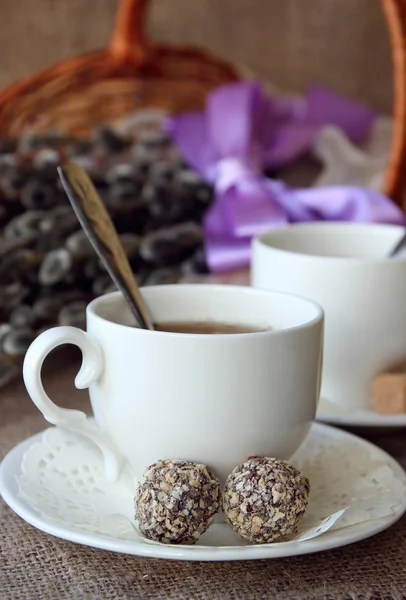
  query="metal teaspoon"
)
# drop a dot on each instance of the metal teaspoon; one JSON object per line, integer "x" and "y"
{"x": 399, "y": 247}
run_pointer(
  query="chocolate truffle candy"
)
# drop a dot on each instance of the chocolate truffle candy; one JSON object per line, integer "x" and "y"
{"x": 264, "y": 499}
{"x": 177, "y": 501}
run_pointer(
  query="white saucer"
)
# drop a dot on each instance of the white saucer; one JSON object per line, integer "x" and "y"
{"x": 330, "y": 413}
{"x": 54, "y": 481}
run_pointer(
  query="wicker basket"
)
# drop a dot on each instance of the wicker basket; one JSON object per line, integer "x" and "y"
{"x": 77, "y": 94}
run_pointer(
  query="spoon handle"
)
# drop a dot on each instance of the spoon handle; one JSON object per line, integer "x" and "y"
{"x": 101, "y": 232}
{"x": 400, "y": 246}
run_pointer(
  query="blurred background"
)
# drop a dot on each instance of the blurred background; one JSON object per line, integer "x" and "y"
{"x": 341, "y": 43}
{"x": 156, "y": 195}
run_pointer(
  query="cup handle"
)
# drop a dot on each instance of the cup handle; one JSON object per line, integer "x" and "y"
{"x": 90, "y": 371}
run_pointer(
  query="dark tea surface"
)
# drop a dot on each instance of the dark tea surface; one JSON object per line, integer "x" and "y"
{"x": 207, "y": 327}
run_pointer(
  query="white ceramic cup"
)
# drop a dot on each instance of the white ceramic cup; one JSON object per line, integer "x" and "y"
{"x": 342, "y": 266}
{"x": 215, "y": 399}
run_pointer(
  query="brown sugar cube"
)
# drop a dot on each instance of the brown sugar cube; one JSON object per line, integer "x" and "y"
{"x": 389, "y": 393}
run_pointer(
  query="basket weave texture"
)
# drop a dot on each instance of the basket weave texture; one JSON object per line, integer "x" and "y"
{"x": 77, "y": 94}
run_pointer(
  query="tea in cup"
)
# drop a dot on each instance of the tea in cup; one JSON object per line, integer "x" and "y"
{"x": 247, "y": 384}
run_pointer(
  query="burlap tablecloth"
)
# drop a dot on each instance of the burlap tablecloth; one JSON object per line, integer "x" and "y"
{"x": 34, "y": 565}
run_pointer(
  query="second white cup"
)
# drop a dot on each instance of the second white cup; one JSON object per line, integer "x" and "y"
{"x": 344, "y": 267}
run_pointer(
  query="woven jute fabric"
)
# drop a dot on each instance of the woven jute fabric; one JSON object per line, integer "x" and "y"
{"x": 34, "y": 565}
{"x": 341, "y": 43}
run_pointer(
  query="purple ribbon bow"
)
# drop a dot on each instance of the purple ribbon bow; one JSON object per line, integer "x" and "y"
{"x": 241, "y": 132}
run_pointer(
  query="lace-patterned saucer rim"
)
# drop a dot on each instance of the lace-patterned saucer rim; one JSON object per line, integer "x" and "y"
{"x": 329, "y": 413}
{"x": 11, "y": 466}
